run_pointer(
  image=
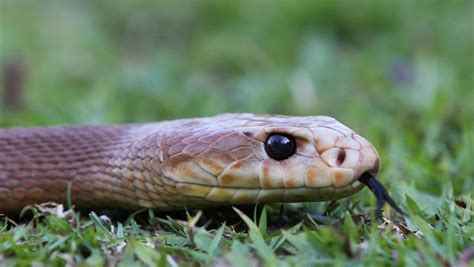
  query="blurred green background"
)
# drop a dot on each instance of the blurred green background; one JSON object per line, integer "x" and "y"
{"x": 398, "y": 72}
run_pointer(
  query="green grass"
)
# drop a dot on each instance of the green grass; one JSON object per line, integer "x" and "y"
{"x": 401, "y": 74}
{"x": 435, "y": 236}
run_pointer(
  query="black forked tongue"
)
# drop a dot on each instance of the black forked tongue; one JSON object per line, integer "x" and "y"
{"x": 380, "y": 193}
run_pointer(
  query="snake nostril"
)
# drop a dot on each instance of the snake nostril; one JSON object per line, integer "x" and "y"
{"x": 341, "y": 157}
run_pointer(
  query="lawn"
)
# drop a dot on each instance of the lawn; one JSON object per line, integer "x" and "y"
{"x": 399, "y": 73}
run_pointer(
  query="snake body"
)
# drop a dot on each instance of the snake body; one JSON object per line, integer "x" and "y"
{"x": 170, "y": 165}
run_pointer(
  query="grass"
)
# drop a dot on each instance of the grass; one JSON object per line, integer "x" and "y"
{"x": 401, "y": 74}
{"x": 347, "y": 236}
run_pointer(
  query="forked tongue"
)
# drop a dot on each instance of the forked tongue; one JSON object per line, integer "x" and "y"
{"x": 380, "y": 193}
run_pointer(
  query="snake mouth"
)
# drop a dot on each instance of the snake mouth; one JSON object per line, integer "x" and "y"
{"x": 380, "y": 193}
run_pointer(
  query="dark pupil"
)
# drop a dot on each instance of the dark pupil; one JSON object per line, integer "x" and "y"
{"x": 280, "y": 147}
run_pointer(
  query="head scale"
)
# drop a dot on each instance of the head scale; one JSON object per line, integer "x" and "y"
{"x": 234, "y": 161}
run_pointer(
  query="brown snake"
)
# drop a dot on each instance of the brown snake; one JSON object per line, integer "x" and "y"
{"x": 196, "y": 163}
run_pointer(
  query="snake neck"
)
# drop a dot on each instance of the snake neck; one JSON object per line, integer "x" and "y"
{"x": 38, "y": 164}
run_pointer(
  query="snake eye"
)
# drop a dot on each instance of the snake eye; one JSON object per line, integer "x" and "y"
{"x": 280, "y": 147}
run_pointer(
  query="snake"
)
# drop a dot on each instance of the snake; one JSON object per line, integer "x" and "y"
{"x": 227, "y": 159}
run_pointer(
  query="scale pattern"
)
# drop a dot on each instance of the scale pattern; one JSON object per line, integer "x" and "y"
{"x": 183, "y": 163}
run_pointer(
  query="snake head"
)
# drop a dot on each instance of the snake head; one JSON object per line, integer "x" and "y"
{"x": 246, "y": 158}
{"x": 328, "y": 160}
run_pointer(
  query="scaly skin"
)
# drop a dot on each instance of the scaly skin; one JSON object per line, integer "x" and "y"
{"x": 183, "y": 163}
